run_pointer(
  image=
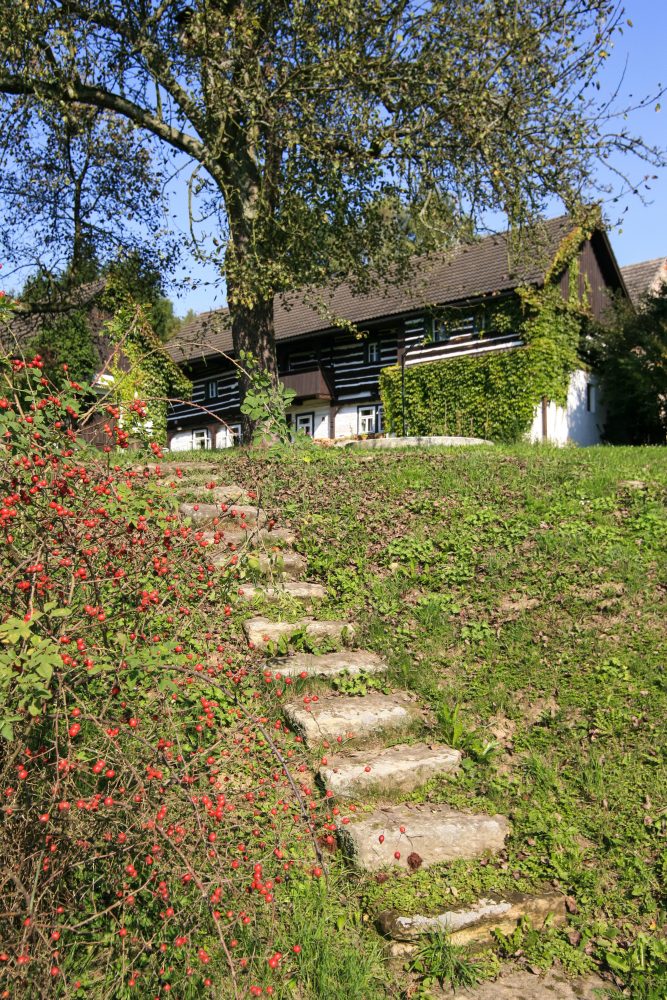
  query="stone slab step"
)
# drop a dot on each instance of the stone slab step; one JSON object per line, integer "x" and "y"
{"x": 520, "y": 984}
{"x": 297, "y": 589}
{"x": 173, "y": 468}
{"x": 476, "y": 922}
{"x": 330, "y": 716}
{"x": 352, "y": 662}
{"x": 432, "y": 834}
{"x": 207, "y": 513}
{"x": 261, "y": 631}
{"x": 232, "y": 494}
{"x": 285, "y": 563}
{"x": 399, "y": 768}
{"x": 235, "y": 537}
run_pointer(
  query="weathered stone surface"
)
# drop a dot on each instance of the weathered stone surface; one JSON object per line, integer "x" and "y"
{"x": 400, "y": 768}
{"x": 261, "y": 631}
{"x": 431, "y": 441}
{"x": 234, "y": 537}
{"x": 474, "y": 924}
{"x": 520, "y": 984}
{"x": 283, "y": 564}
{"x": 298, "y": 589}
{"x": 433, "y": 833}
{"x": 330, "y": 716}
{"x": 328, "y": 664}
{"x": 232, "y": 494}
{"x": 206, "y": 513}
{"x": 173, "y": 468}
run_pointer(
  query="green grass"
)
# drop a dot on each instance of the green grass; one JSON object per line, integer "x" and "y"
{"x": 521, "y": 593}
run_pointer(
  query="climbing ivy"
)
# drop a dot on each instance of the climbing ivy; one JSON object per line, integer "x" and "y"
{"x": 144, "y": 375}
{"x": 495, "y": 395}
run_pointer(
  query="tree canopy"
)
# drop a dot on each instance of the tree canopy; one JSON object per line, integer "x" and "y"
{"x": 78, "y": 186}
{"x": 630, "y": 355}
{"x": 303, "y": 120}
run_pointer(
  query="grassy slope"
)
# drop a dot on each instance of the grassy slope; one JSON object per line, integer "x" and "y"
{"x": 521, "y": 592}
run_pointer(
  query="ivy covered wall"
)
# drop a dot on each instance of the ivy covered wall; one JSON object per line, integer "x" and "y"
{"x": 494, "y": 395}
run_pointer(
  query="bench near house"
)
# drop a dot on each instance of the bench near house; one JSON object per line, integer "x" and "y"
{"x": 440, "y": 314}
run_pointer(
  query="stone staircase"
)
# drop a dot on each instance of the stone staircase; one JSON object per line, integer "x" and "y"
{"x": 373, "y": 758}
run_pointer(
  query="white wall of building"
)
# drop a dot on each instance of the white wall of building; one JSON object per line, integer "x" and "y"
{"x": 345, "y": 421}
{"x": 579, "y": 422}
{"x": 187, "y": 440}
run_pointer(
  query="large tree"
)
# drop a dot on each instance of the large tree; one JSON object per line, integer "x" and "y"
{"x": 303, "y": 118}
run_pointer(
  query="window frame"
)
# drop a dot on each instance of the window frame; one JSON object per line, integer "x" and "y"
{"x": 444, "y": 328}
{"x": 206, "y": 438}
{"x": 377, "y": 412}
{"x": 212, "y": 390}
{"x": 310, "y": 415}
{"x": 375, "y": 347}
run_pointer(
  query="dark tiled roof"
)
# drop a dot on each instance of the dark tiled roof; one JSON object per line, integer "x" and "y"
{"x": 645, "y": 277}
{"x": 485, "y": 267}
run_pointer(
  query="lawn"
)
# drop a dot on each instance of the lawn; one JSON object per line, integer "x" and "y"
{"x": 520, "y": 592}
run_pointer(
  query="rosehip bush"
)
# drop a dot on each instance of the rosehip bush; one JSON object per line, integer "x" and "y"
{"x": 155, "y": 811}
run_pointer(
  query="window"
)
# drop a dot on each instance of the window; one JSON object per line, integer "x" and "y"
{"x": 201, "y": 439}
{"x": 228, "y": 436}
{"x": 305, "y": 422}
{"x": 373, "y": 352}
{"x": 590, "y": 397}
{"x": 457, "y": 326}
{"x": 369, "y": 419}
{"x": 212, "y": 389}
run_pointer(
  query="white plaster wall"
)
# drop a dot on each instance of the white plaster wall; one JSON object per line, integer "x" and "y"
{"x": 572, "y": 424}
{"x": 345, "y": 423}
{"x": 181, "y": 441}
{"x": 584, "y": 428}
{"x": 556, "y": 425}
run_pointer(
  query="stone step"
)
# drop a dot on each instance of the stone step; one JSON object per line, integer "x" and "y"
{"x": 296, "y": 589}
{"x": 432, "y": 834}
{"x": 236, "y": 514}
{"x": 285, "y": 563}
{"x": 521, "y": 984}
{"x": 234, "y": 537}
{"x": 351, "y": 662}
{"x": 232, "y": 494}
{"x": 261, "y": 631}
{"x": 172, "y": 468}
{"x": 351, "y": 717}
{"x": 400, "y": 768}
{"x": 475, "y": 923}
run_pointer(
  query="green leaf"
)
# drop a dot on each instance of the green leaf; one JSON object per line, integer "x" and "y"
{"x": 45, "y": 670}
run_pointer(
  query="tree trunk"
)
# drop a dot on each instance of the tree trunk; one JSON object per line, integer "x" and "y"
{"x": 253, "y": 333}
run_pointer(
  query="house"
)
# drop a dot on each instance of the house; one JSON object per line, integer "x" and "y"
{"x": 645, "y": 278}
{"x": 440, "y": 314}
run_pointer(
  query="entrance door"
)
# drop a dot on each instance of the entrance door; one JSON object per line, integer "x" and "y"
{"x": 305, "y": 422}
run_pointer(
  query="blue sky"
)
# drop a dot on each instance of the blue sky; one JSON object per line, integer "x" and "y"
{"x": 643, "y": 234}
